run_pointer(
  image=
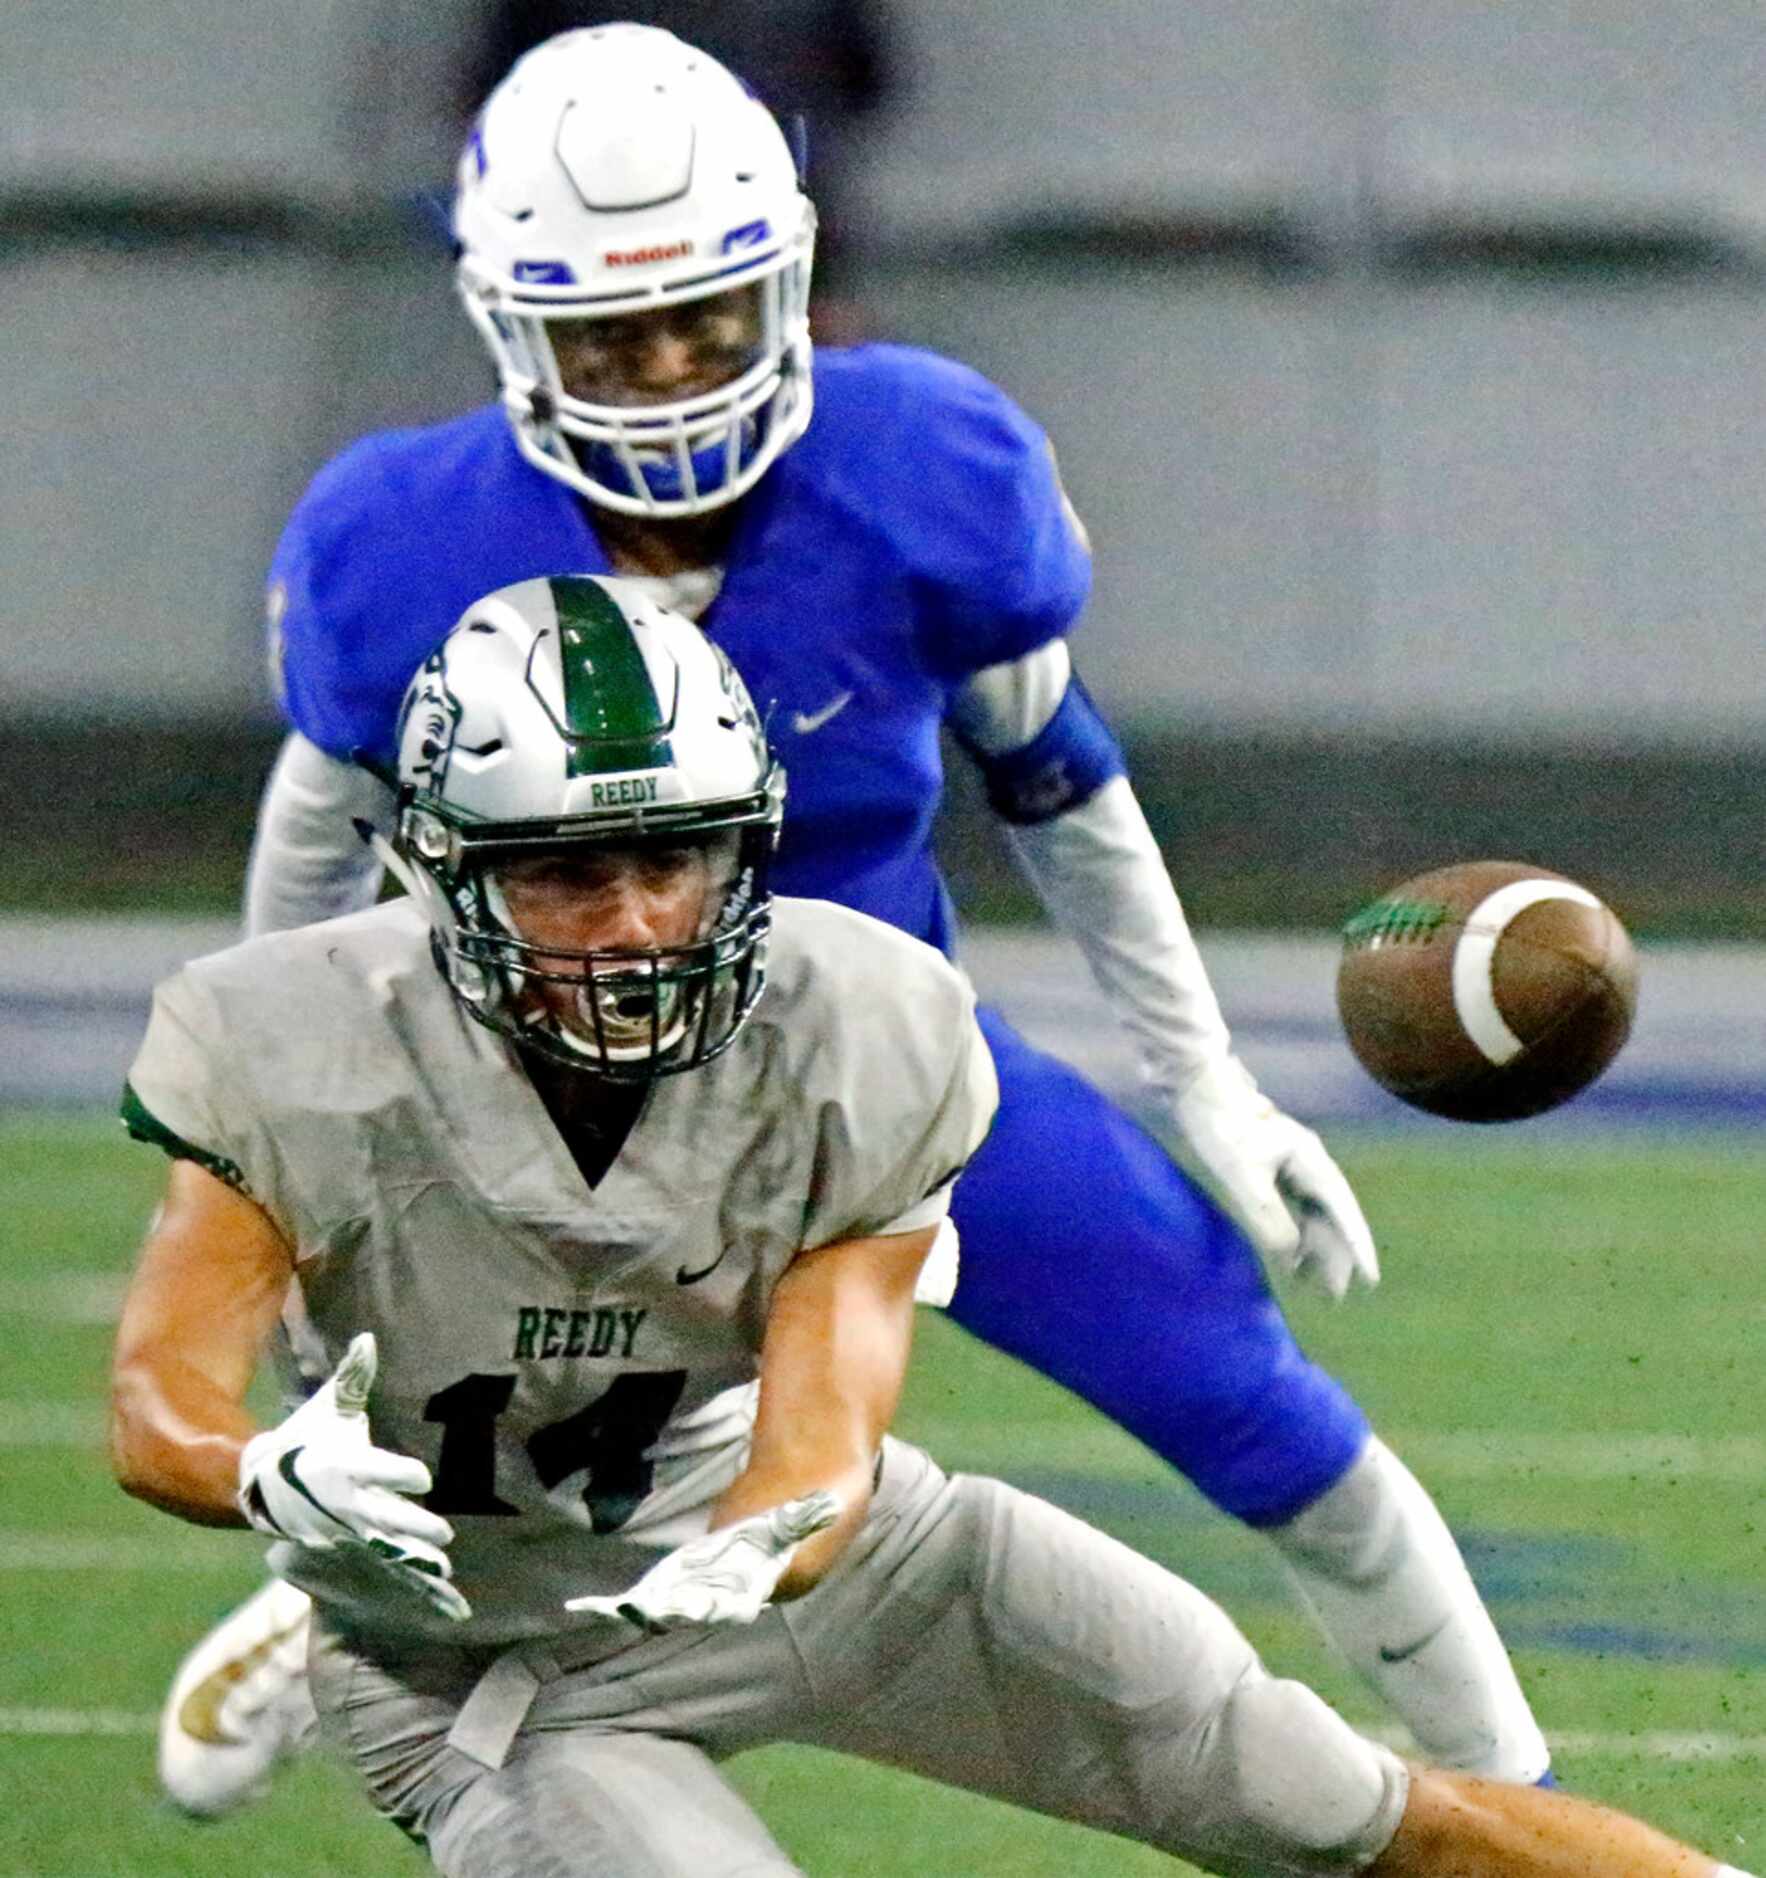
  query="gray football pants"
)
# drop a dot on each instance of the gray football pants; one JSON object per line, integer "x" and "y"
{"x": 970, "y": 1633}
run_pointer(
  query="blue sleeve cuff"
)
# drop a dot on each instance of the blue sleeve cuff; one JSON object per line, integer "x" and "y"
{"x": 1066, "y": 763}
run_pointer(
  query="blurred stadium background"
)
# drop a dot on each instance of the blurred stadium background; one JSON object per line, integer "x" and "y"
{"x": 1405, "y": 362}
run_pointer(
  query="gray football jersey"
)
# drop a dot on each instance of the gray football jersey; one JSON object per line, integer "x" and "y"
{"x": 576, "y": 1366}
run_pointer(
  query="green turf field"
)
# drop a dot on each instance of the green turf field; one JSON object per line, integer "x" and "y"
{"x": 1567, "y": 1347}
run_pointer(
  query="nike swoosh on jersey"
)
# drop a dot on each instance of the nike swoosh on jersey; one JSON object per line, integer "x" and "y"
{"x": 1406, "y": 1651}
{"x": 686, "y": 1277}
{"x": 804, "y": 722}
{"x": 199, "y": 1714}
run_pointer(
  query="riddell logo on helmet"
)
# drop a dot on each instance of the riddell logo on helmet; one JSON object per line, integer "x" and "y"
{"x": 639, "y": 257}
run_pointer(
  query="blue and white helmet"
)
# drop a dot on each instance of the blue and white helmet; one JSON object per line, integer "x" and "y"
{"x": 617, "y": 169}
{"x": 568, "y": 714}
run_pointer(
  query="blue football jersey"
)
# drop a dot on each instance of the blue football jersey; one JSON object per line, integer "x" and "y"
{"x": 916, "y": 534}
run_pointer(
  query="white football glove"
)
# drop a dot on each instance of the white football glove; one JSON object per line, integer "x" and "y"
{"x": 318, "y": 1481}
{"x": 724, "y": 1578}
{"x": 1274, "y": 1176}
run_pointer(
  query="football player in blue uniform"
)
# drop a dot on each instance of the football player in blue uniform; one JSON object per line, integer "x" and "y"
{"x": 880, "y": 542}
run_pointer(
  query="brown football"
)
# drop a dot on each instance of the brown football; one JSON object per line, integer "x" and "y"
{"x": 1486, "y": 991}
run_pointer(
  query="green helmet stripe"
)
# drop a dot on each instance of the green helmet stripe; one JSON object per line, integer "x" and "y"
{"x": 613, "y": 718}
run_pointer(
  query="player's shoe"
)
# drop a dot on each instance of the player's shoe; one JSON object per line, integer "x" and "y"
{"x": 239, "y": 1705}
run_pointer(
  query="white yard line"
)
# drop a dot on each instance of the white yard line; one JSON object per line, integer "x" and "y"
{"x": 51, "y": 1552}
{"x": 1657, "y": 1745}
{"x": 50, "y": 1425}
{"x": 65, "y": 1297}
{"x": 1473, "y": 1454}
{"x": 75, "y": 1721}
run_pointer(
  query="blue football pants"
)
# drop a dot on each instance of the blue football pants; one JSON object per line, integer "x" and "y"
{"x": 1089, "y": 1255}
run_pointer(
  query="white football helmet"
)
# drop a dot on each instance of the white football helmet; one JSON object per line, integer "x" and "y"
{"x": 613, "y": 171}
{"x": 570, "y": 714}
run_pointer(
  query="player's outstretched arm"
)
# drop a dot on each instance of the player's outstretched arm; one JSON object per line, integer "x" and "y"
{"x": 1101, "y": 875}
{"x": 837, "y": 1343}
{"x": 210, "y": 1282}
{"x": 1056, "y": 777}
{"x": 207, "y": 1289}
{"x": 832, "y": 1364}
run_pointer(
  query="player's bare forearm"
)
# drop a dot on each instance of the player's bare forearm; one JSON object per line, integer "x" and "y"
{"x": 175, "y": 1442}
{"x": 837, "y": 1343}
{"x": 211, "y": 1279}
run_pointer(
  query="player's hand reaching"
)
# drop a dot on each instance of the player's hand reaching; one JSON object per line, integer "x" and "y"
{"x": 724, "y": 1578}
{"x": 1275, "y": 1177}
{"x": 317, "y": 1480}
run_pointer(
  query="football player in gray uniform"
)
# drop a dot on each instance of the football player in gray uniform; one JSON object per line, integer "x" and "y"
{"x": 608, "y": 1258}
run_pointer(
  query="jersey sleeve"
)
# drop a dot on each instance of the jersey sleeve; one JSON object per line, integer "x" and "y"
{"x": 887, "y": 1154}
{"x": 179, "y": 1098}
{"x": 1001, "y": 559}
{"x": 1040, "y": 743}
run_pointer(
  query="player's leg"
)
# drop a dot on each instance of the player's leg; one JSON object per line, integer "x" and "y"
{"x": 1090, "y": 1256}
{"x": 1375, "y": 1562}
{"x": 556, "y": 1793}
{"x": 983, "y": 1638}
{"x": 586, "y": 1805}
{"x": 1492, "y": 1829}
{"x": 992, "y": 1642}
{"x": 238, "y": 1705}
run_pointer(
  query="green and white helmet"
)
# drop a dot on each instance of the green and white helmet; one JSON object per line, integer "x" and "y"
{"x": 574, "y": 713}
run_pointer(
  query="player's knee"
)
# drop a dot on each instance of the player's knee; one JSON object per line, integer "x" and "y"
{"x": 1259, "y": 1427}
{"x": 1307, "y": 1786}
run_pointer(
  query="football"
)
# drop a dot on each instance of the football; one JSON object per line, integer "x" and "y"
{"x": 1486, "y": 991}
